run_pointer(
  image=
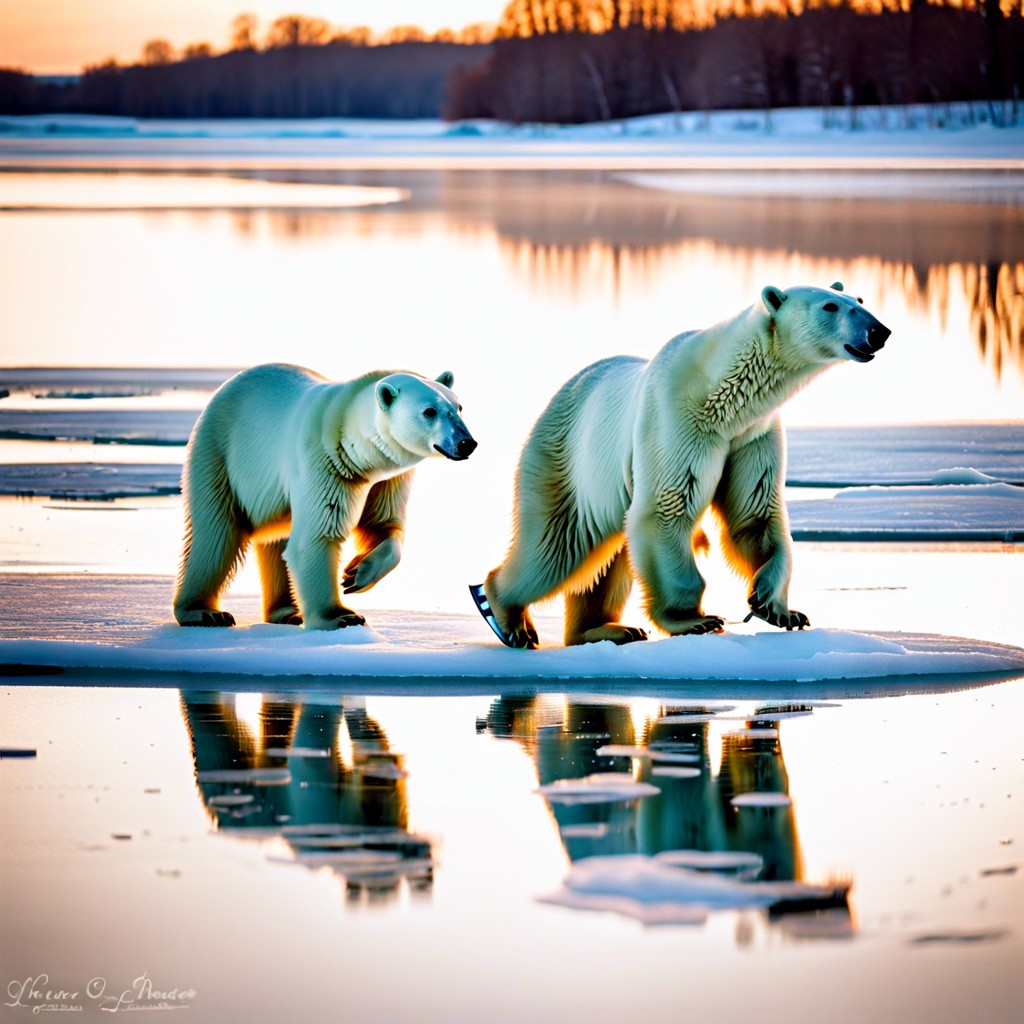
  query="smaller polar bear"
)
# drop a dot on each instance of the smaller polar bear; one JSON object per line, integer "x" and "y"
{"x": 621, "y": 466}
{"x": 298, "y": 464}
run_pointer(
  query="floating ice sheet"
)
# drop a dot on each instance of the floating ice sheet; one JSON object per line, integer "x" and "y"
{"x": 109, "y": 381}
{"x": 406, "y": 646}
{"x": 89, "y": 481}
{"x": 659, "y": 892}
{"x": 904, "y": 455}
{"x": 762, "y": 800}
{"x": 978, "y": 512}
{"x": 605, "y": 787}
{"x": 737, "y": 862}
{"x": 674, "y": 772}
{"x": 101, "y": 426}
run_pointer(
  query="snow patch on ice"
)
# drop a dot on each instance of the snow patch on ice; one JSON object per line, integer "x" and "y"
{"x": 956, "y": 511}
{"x": 654, "y": 891}
{"x": 961, "y": 475}
{"x": 407, "y": 646}
{"x": 762, "y": 799}
{"x": 600, "y": 788}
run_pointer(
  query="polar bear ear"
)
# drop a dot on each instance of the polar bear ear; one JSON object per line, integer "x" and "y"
{"x": 837, "y": 286}
{"x": 386, "y": 394}
{"x": 773, "y": 298}
{"x": 447, "y": 378}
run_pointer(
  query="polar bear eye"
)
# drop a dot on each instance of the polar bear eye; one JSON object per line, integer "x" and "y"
{"x": 430, "y": 412}
{"x": 830, "y": 307}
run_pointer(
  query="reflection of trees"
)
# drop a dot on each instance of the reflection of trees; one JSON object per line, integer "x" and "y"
{"x": 995, "y": 293}
{"x": 319, "y": 776}
{"x": 584, "y": 233}
{"x": 693, "y": 810}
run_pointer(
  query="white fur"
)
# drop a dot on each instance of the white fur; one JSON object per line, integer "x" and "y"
{"x": 282, "y": 453}
{"x": 630, "y": 454}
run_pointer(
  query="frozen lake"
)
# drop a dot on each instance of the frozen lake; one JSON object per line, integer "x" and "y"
{"x": 759, "y": 823}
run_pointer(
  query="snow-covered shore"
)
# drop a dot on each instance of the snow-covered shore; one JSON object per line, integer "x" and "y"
{"x": 911, "y": 140}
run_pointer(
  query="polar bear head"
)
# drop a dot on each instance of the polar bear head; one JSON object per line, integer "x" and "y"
{"x": 423, "y": 416}
{"x": 821, "y": 325}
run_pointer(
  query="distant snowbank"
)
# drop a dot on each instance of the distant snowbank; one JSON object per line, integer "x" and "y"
{"x": 881, "y": 139}
{"x": 864, "y": 183}
{"x": 184, "y": 192}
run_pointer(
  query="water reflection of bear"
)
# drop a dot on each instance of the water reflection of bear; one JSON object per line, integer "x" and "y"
{"x": 290, "y": 773}
{"x": 689, "y": 813}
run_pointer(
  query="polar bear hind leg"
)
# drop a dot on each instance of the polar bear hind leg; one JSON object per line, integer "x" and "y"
{"x": 279, "y": 604}
{"x": 663, "y": 527}
{"x": 592, "y": 611}
{"x": 755, "y": 530}
{"x": 211, "y": 555}
{"x": 563, "y": 556}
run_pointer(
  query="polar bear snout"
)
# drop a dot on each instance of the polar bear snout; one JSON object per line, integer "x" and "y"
{"x": 875, "y": 337}
{"x": 461, "y": 449}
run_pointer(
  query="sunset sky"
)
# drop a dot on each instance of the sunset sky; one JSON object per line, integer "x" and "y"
{"x": 60, "y": 36}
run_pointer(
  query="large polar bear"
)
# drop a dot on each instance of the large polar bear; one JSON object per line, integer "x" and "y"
{"x": 297, "y": 464}
{"x": 623, "y": 463}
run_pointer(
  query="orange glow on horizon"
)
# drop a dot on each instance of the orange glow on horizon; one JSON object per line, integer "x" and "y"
{"x": 64, "y": 36}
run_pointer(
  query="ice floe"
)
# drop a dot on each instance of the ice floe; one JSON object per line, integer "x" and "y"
{"x": 905, "y": 455}
{"x": 767, "y": 800}
{"x": 89, "y": 481}
{"x": 87, "y": 382}
{"x": 674, "y": 772}
{"x": 452, "y": 652}
{"x": 740, "y": 864}
{"x": 953, "y": 512}
{"x": 599, "y": 788}
{"x": 656, "y": 891}
{"x": 100, "y": 426}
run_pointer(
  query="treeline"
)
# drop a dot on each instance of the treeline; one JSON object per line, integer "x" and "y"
{"x": 570, "y": 61}
{"x": 400, "y": 80}
{"x": 826, "y": 56}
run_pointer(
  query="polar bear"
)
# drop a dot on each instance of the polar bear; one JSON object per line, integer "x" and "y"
{"x": 621, "y": 466}
{"x": 297, "y": 464}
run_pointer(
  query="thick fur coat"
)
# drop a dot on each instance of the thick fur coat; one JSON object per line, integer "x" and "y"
{"x": 621, "y": 466}
{"x": 296, "y": 464}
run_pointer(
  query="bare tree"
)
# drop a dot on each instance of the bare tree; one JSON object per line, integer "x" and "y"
{"x": 196, "y": 51}
{"x": 157, "y": 52}
{"x": 243, "y": 32}
{"x": 297, "y": 30}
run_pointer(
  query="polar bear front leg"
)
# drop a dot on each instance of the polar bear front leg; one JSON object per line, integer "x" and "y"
{"x": 379, "y": 534}
{"x": 319, "y": 528}
{"x": 756, "y": 536}
{"x": 313, "y": 564}
{"x": 660, "y": 528}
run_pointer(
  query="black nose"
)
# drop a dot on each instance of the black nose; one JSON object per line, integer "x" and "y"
{"x": 877, "y": 336}
{"x": 466, "y": 447}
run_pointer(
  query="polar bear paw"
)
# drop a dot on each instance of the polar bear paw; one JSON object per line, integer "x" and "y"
{"x": 285, "y": 615}
{"x": 204, "y": 617}
{"x": 335, "y": 618}
{"x": 696, "y": 625}
{"x": 776, "y": 615}
{"x": 615, "y": 631}
{"x": 370, "y": 568}
{"x": 683, "y": 621}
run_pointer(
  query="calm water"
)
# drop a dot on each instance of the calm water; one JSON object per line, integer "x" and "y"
{"x": 125, "y": 854}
